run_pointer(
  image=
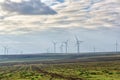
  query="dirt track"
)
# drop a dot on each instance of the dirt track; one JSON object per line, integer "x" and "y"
{"x": 54, "y": 75}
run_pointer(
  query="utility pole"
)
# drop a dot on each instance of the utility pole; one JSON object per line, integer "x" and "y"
{"x": 54, "y": 45}
{"x": 116, "y": 46}
{"x": 66, "y": 46}
{"x": 78, "y": 44}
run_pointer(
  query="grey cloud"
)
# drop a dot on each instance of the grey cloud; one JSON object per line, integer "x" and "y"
{"x": 102, "y": 14}
{"x": 1, "y": 17}
{"x": 31, "y": 7}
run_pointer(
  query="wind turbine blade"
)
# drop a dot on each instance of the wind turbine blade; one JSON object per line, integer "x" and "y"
{"x": 76, "y": 38}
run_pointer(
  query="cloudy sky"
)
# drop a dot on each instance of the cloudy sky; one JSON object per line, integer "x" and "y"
{"x": 30, "y": 26}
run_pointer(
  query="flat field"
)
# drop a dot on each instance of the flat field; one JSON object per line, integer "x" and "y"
{"x": 98, "y": 68}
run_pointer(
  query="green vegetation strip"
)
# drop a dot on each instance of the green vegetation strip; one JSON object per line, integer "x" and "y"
{"x": 65, "y": 71}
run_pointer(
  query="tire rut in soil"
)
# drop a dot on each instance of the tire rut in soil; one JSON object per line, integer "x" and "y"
{"x": 54, "y": 75}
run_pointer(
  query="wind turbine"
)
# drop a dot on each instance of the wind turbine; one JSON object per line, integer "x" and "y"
{"x": 21, "y": 52}
{"x": 5, "y": 50}
{"x": 54, "y": 44}
{"x": 78, "y": 44}
{"x": 66, "y": 46}
{"x": 61, "y": 48}
{"x": 94, "y": 49}
{"x": 48, "y": 50}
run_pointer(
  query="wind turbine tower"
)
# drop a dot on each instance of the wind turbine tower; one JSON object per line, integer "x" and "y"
{"x": 66, "y": 46}
{"x": 5, "y": 50}
{"x": 48, "y": 50}
{"x": 21, "y": 52}
{"x": 94, "y": 49}
{"x": 61, "y": 48}
{"x": 54, "y": 44}
{"x": 78, "y": 44}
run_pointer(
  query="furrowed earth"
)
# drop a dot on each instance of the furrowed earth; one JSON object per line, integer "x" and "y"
{"x": 60, "y": 67}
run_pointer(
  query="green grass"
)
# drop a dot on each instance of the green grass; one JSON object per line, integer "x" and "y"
{"x": 86, "y": 71}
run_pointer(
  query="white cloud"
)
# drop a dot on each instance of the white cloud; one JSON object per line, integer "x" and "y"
{"x": 78, "y": 13}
